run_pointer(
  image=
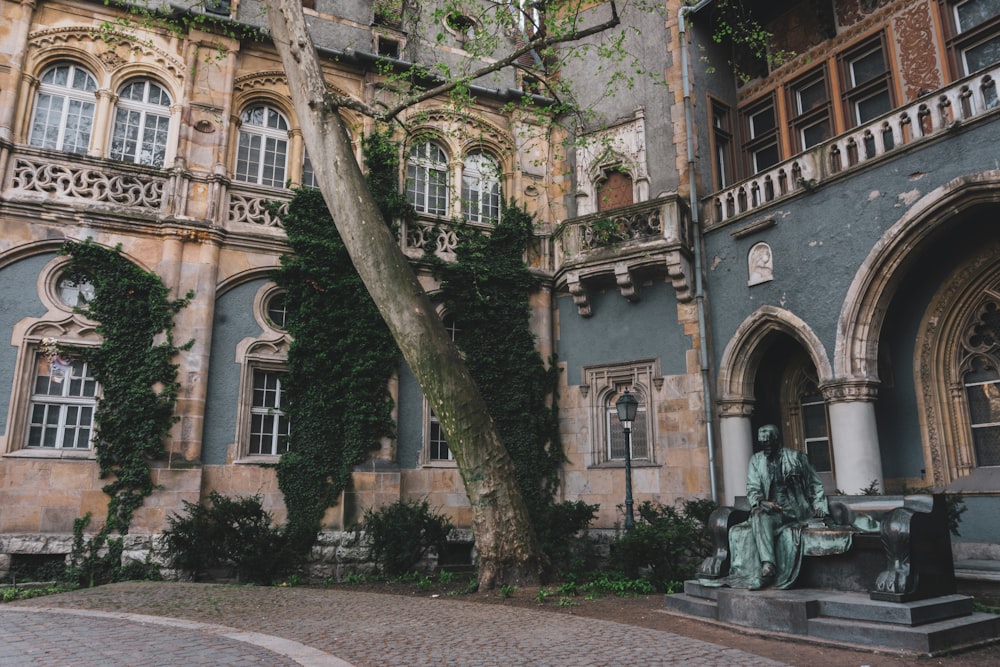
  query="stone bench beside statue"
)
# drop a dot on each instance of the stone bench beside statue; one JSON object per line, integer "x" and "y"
{"x": 896, "y": 548}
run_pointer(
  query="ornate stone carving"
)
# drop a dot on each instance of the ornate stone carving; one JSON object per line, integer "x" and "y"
{"x": 600, "y": 232}
{"x": 135, "y": 190}
{"x": 621, "y": 146}
{"x": 920, "y": 67}
{"x": 422, "y": 236}
{"x": 41, "y": 40}
{"x": 579, "y": 293}
{"x": 735, "y": 407}
{"x": 842, "y": 391}
{"x": 250, "y": 210}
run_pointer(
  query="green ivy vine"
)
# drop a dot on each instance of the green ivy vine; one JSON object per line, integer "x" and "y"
{"x": 138, "y": 380}
{"x": 487, "y": 291}
{"x": 340, "y": 362}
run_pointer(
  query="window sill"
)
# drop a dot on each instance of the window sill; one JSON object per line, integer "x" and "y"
{"x": 257, "y": 459}
{"x": 641, "y": 463}
{"x": 62, "y": 454}
{"x": 439, "y": 464}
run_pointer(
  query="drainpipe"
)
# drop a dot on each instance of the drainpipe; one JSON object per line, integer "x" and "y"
{"x": 699, "y": 290}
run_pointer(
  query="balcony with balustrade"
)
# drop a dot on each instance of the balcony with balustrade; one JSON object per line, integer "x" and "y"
{"x": 929, "y": 118}
{"x": 624, "y": 247}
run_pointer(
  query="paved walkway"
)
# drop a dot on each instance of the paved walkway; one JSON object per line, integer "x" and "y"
{"x": 230, "y": 625}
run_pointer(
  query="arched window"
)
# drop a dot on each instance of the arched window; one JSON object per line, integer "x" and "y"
{"x": 142, "y": 121}
{"x": 262, "y": 152}
{"x": 427, "y": 179}
{"x": 480, "y": 188}
{"x": 64, "y": 109}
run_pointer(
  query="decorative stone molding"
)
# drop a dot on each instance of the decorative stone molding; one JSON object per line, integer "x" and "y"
{"x": 621, "y": 146}
{"x": 252, "y": 210}
{"x": 581, "y": 297}
{"x": 735, "y": 407}
{"x": 419, "y": 236}
{"x": 43, "y": 40}
{"x": 626, "y": 284}
{"x": 853, "y": 389}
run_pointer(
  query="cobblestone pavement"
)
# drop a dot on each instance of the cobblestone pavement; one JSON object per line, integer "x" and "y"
{"x": 168, "y": 625}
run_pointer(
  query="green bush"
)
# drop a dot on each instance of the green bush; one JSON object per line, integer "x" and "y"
{"x": 400, "y": 534}
{"x": 667, "y": 543}
{"x": 233, "y": 533}
{"x": 558, "y": 530}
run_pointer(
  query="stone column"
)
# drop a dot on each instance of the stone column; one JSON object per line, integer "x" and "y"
{"x": 100, "y": 137}
{"x": 12, "y": 50}
{"x": 736, "y": 434}
{"x": 857, "y": 459}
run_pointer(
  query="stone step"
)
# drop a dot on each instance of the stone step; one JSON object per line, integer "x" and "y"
{"x": 931, "y": 638}
{"x": 859, "y": 607}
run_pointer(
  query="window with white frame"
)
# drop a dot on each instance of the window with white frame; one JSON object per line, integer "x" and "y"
{"x": 62, "y": 405}
{"x": 64, "y": 109}
{"x": 867, "y": 81}
{"x": 615, "y": 434}
{"x": 308, "y": 175}
{"x": 437, "y": 445}
{"x": 268, "y": 422}
{"x": 142, "y": 123}
{"x": 262, "y": 149}
{"x": 815, "y": 431}
{"x": 480, "y": 188}
{"x": 427, "y": 178}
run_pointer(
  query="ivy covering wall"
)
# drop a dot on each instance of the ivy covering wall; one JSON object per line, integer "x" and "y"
{"x": 339, "y": 366}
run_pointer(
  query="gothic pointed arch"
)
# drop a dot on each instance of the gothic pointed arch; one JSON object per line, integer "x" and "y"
{"x": 879, "y": 276}
{"x": 742, "y": 357}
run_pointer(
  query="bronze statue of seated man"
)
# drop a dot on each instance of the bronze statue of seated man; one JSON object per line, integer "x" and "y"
{"x": 784, "y": 494}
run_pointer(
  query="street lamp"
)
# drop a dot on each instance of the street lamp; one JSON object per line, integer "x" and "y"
{"x": 628, "y": 406}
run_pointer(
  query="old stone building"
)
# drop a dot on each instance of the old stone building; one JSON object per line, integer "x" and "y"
{"x": 802, "y": 237}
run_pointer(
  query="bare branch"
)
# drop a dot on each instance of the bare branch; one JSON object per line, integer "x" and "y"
{"x": 510, "y": 59}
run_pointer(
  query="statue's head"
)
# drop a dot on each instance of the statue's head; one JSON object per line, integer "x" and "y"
{"x": 769, "y": 437}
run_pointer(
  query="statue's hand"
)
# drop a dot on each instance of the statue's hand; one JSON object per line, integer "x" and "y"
{"x": 770, "y": 506}
{"x": 820, "y": 513}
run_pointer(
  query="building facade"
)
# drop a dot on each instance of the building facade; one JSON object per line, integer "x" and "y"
{"x": 803, "y": 239}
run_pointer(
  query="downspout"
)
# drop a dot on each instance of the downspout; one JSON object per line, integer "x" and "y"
{"x": 699, "y": 289}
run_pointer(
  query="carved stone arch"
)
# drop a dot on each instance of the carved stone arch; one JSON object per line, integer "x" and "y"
{"x": 237, "y": 279}
{"x": 105, "y": 57}
{"x": 65, "y": 54}
{"x": 466, "y": 127}
{"x": 859, "y": 326}
{"x": 941, "y": 358}
{"x": 30, "y": 249}
{"x": 133, "y": 71}
{"x": 742, "y": 356}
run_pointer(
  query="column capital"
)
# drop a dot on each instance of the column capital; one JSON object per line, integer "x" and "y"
{"x": 735, "y": 407}
{"x": 851, "y": 389}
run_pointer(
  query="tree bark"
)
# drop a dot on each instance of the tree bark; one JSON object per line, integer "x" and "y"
{"x": 505, "y": 540}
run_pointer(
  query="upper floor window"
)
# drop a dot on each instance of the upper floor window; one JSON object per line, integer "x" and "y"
{"x": 480, "y": 188}
{"x": 262, "y": 152}
{"x": 760, "y": 129}
{"x": 64, "y": 109}
{"x": 867, "y": 93}
{"x": 427, "y": 179}
{"x": 62, "y": 404}
{"x": 308, "y": 175}
{"x": 722, "y": 145}
{"x": 809, "y": 105}
{"x": 974, "y": 31}
{"x": 142, "y": 122}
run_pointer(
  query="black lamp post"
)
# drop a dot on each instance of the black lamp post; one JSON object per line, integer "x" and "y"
{"x": 628, "y": 406}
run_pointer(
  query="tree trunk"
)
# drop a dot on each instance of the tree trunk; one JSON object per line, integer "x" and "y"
{"x": 506, "y": 542}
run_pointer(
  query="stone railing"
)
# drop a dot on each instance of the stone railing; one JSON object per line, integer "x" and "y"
{"x": 249, "y": 205}
{"x": 649, "y": 237}
{"x": 34, "y": 174}
{"x": 927, "y": 117}
{"x": 418, "y": 237}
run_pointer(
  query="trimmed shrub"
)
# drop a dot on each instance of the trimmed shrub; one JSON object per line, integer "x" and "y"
{"x": 400, "y": 535}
